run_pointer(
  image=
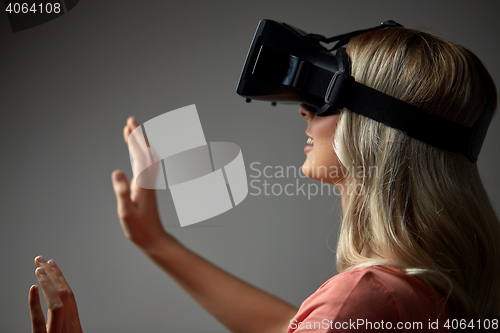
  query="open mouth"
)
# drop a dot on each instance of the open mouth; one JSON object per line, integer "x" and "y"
{"x": 310, "y": 141}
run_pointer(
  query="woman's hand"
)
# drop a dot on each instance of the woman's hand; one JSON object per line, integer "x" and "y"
{"x": 232, "y": 301}
{"x": 137, "y": 208}
{"x": 62, "y": 315}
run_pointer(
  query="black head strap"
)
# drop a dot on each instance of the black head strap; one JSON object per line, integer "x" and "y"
{"x": 344, "y": 91}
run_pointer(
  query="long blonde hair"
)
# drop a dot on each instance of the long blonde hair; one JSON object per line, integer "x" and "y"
{"x": 424, "y": 208}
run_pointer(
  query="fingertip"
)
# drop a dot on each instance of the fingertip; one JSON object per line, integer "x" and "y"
{"x": 39, "y": 260}
{"x": 130, "y": 121}
{"x": 52, "y": 263}
{"x": 33, "y": 297}
{"x": 122, "y": 188}
{"x": 118, "y": 176}
{"x": 34, "y": 290}
{"x": 40, "y": 271}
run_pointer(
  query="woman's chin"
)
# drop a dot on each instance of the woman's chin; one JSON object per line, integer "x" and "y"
{"x": 319, "y": 174}
{"x": 306, "y": 169}
{"x": 310, "y": 173}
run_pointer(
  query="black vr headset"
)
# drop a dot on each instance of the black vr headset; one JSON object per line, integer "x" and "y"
{"x": 286, "y": 64}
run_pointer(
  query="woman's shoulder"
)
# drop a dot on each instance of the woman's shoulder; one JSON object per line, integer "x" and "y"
{"x": 364, "y": 290}
{"x": 380, "y": 284}
{"x": 376, "y": 279}
{"x": 374, "y": 293}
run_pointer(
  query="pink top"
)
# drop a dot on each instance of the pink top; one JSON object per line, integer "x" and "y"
{"x": 375, "y": 298}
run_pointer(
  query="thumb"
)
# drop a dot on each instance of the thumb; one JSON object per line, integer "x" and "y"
{"x": 122, "y": 192}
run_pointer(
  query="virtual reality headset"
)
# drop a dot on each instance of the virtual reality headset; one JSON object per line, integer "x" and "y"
{"x": 286, "y": 64}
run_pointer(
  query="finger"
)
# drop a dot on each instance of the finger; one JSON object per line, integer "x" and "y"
{"x": 122, "y": 192}
{"x": 36, "y": 312}
{"x": 132, "y": 123}
{"x": 55, "y": 317}
{"x": 59, "y": 274}
{"x": 126, "y": 133}
{"x": 129, "y": 127}
{"x": 137, "y": 146}
{"x": 71, "y": 300}
{"x": 59, "y": 284}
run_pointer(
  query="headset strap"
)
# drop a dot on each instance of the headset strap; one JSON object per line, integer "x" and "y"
{"x": 341, "y": 90}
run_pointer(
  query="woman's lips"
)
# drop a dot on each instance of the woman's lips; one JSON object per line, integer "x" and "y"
{"x": 309, "y": 146}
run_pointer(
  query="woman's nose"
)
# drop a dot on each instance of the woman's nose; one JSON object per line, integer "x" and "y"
{"x": 305, "y": 112}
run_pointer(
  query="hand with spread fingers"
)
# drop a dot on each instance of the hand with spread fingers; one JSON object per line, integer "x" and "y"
{"x": 62, "y": 315}
{"x": 137, "y": 207}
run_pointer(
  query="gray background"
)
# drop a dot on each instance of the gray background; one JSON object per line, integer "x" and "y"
{"x": 67, "y": 88}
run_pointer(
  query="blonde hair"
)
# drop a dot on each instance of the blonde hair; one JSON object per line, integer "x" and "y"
{"x": 424, "y": 208}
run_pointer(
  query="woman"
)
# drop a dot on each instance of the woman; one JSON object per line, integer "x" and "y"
{"x": 419, "y": 237}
